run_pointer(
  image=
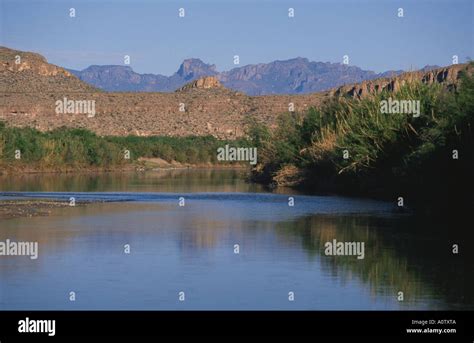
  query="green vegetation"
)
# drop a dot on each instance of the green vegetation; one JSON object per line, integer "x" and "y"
{"x": 192, "y": 149}
{"x": 78, "y": 148}
{"x": 388, "y": 155}
{"x": 57, "y": 149}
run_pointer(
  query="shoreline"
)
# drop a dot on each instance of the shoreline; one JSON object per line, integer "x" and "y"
{"x": 128, "y": 169}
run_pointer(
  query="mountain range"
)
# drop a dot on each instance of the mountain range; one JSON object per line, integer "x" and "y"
{"x": 293, "y": 76}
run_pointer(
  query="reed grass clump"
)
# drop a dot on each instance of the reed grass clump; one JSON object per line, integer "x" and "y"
{"x": 351, "y": 145}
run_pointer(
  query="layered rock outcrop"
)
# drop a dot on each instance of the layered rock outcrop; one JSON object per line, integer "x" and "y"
{"x": 448, "y": 76}
{"x": 202, "y": 83}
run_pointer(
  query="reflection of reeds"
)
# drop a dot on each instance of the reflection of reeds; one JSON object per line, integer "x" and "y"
{"x": 384, "y": 269}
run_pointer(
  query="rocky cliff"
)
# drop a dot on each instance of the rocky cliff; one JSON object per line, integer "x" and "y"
{"x": 448, "y": 76}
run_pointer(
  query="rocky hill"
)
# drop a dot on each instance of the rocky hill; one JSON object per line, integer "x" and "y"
{"x": 208, "y": 82}
{"x": 30, "y": 72}
{"x": 31, "y": 90}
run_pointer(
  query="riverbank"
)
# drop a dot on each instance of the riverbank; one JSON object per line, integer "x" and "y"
{"x": 141, "y": 165}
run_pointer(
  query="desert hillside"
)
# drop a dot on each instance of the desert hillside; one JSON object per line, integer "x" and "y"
{"x": 28, "y": 72}
{"x": 30, "y": 89}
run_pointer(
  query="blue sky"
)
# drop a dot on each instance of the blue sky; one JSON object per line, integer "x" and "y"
{"x": 151, "y": 32}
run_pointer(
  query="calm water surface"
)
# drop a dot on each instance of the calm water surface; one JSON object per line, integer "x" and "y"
{"x": 190, "y": 248}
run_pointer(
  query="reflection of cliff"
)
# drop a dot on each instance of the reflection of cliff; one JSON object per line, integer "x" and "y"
{"x": 205, "y": 235}
{"x": 395, "y": 258}
{"x": 197, "y": 231}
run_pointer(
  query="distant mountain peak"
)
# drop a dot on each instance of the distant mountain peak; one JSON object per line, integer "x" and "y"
{"x": 194, "y": 61}
{"x": 292, "y": 60}
{"x": 194, "y": 67}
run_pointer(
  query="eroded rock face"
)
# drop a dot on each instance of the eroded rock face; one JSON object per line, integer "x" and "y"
{"x": 20, "y": 62}
{"x": 202, "y": 83}
{"x": 448, "y": 76}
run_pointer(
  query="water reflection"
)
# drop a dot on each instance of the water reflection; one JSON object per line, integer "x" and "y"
{"x": 192, "y": 248}
{"x": 172, "y": 180}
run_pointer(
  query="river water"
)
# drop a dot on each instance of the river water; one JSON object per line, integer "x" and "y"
{"x": 206, "y": 239}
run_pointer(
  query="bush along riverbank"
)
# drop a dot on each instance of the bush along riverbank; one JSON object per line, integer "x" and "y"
{"x": 64, "y": 149}
{"x": 415, "y": 144}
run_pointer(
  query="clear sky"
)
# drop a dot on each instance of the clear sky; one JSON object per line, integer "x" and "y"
{"x": 259, "y": 31}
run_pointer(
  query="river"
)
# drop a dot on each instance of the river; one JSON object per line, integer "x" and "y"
{"x": 207, "y": 239}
